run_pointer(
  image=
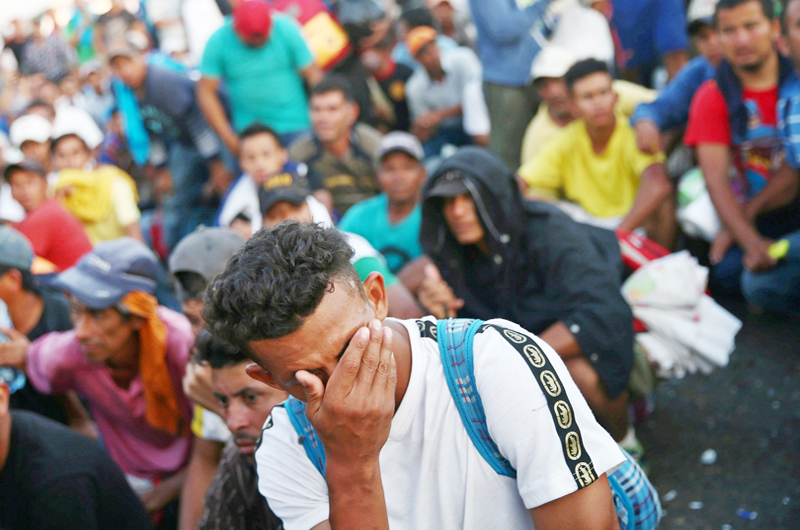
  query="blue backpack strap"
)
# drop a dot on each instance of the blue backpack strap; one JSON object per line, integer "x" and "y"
{"x": 296, "y": 410}
{"x": 455, "y": 347}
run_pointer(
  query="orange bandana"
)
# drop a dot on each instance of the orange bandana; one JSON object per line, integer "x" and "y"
{"x": 162, "y": 409}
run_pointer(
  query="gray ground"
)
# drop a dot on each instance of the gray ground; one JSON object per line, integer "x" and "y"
{"x": 749, "y": 413}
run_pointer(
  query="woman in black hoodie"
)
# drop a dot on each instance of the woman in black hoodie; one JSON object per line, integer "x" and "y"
{"x": 527, "y": 262}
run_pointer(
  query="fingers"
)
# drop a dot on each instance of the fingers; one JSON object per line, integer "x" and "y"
{"x": 432, "y": 273}
{"x": 385, "y": 364}
{"x": 314, "y": 389}
{"x": 349, "y": 365}
{"x": 372, "y": 354}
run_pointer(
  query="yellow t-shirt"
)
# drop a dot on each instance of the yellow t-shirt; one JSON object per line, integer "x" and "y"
{"x": 103, "y": 199}
{"x": 605, "y": 184}
{"x": 542, "y": 128}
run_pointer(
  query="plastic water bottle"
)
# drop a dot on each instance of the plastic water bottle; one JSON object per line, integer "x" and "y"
{"x": 13, "y": 377}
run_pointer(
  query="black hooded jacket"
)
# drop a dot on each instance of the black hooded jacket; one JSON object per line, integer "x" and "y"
{"x": 542, "y": 266}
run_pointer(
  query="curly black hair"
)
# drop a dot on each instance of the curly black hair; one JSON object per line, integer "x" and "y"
{"x": 216, "y": 352}
{"x": 277, "y": 280}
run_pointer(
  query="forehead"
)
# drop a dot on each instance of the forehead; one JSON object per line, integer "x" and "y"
{"x": 332, "y": 97}
{"x": 398, "y": 157}
{"x": 230, "y": 379}
{"x": 592, "y": 82}
{"x": 747, "y": 12}
{"x": 323, "y": 334}
{"x": 260, "y": 141}
{"x": 24, "y": 174}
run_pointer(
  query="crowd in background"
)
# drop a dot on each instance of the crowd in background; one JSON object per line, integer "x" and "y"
{"x": 488, "y": 158}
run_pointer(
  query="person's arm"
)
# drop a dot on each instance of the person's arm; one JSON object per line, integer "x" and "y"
{"x": 425, "y": 125}
{"x": 653, "y": 190}
{"x": 313, "y": 74}
{"x": 164, "y": 493}
{"x": 352, "y": 416}
{"x": 561, "y": 339}
{"x": 212, "y": 108}
{"x": 200, "y": 472}
{"x": 436, "y": 296}
{"x": 134, "y": 230}
{"x": 504, "y": 23}
{"x": 674, "y": 61}
{"x": 780, "y": 191}
{"x": 413, "y": 273}
{"x": 671, "y": 109}
{"x": 589, "y": 508}
{"x": 402, "y": 304}
{"x": 197, "y": 386}
{"x": 99, "y": 39}
{"x": 714, "y": 160}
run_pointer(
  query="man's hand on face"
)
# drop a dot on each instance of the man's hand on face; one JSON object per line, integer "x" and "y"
{"x": 353, "y": 413}
{"x": 436, "y": 296}
{"x": 756, "y": 255}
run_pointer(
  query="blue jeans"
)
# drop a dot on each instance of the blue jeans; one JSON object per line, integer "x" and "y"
{"x": 777, "y": 289}
{"x": 183, "y": 209}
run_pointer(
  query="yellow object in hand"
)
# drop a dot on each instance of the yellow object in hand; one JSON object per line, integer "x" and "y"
{"x": 779, "y": 249}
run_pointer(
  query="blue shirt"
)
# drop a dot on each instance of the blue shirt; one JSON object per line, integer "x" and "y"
{"x": 671, "y": 109}
{"x": 398, "y": 243}
{"x": 506, "y": 45}
{"x": 789, "y": 119}
{"x": 264, "y": 83}
{"x": 648, "y": 29}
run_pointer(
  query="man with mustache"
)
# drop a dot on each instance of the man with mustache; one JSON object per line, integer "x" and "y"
{"x": 233, "y": 500}
{"x": 125, "y": 357}
{"x": 733, "y": 128}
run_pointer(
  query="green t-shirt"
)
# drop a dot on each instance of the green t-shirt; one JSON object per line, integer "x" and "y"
{"x": 264, "y": 83}
{"x": 399, "y": 243}
{"x": 366, "y": 260}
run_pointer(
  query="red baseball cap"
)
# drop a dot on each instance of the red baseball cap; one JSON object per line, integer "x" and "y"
{"x": 252, "y": 19}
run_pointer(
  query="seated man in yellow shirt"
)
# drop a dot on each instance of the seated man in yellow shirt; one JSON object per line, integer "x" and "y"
{"x": 556, "y": 112}
{"x": 593, "y": 168}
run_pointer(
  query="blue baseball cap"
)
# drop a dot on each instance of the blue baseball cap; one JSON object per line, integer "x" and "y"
{"x": 15, "y": 250}
{"x": 103, "y": 277}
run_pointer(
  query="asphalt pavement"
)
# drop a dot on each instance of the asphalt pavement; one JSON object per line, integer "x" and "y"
{"x": 749, "y": 415}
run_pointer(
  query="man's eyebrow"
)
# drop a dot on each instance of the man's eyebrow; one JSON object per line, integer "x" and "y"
{"x": 219, "y": 396}
{"x": 243, "y": 391}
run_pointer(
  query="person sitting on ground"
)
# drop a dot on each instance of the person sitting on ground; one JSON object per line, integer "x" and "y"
{"x": 261, "y": 156}
{"x": 392, "y": 437}
{"x": 126, "y": 358}
{"x": 391, "y": 221}
{"x": 51, "y": 477}
{"x": 733, "y": 129}
{"x": 340, "y": 150}
{"x": 282, "y": 200}
{"x": 35, "y": 310}
{"x": 194, "y": 262}
{"x": 445, "y": 94}
{"x": 671, "y": 109}
{"x": 556, "y": 110}
{"x": 233, "y": 500}
{"x": 496, "y": 255}
{"x": 594, "y": 167}
{"x": 390, "y": 104}
{"x": 101, "y": 196}
{"x": 56, "y": 235}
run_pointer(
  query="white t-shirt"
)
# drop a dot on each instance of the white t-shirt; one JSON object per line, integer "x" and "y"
{"x": 433, "y": 476}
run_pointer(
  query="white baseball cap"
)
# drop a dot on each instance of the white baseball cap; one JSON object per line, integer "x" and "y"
{"x": 30, "y": 127}
{"x": 72, "y": 120}
{"x": 552, "y": 61}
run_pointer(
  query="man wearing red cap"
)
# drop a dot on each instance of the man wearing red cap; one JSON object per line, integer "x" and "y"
{"x": 263, "y": 60}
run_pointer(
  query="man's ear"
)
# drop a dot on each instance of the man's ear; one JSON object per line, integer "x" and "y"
{"x": 354, "y": 110}
{"x": 375, "y": 289}
{"x": 260, "y": 374}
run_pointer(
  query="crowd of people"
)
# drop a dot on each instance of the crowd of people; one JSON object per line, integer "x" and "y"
{"x": 245, "y": 245}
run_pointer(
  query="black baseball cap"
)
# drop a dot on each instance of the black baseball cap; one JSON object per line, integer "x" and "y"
{"x": 283, "y": 187}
